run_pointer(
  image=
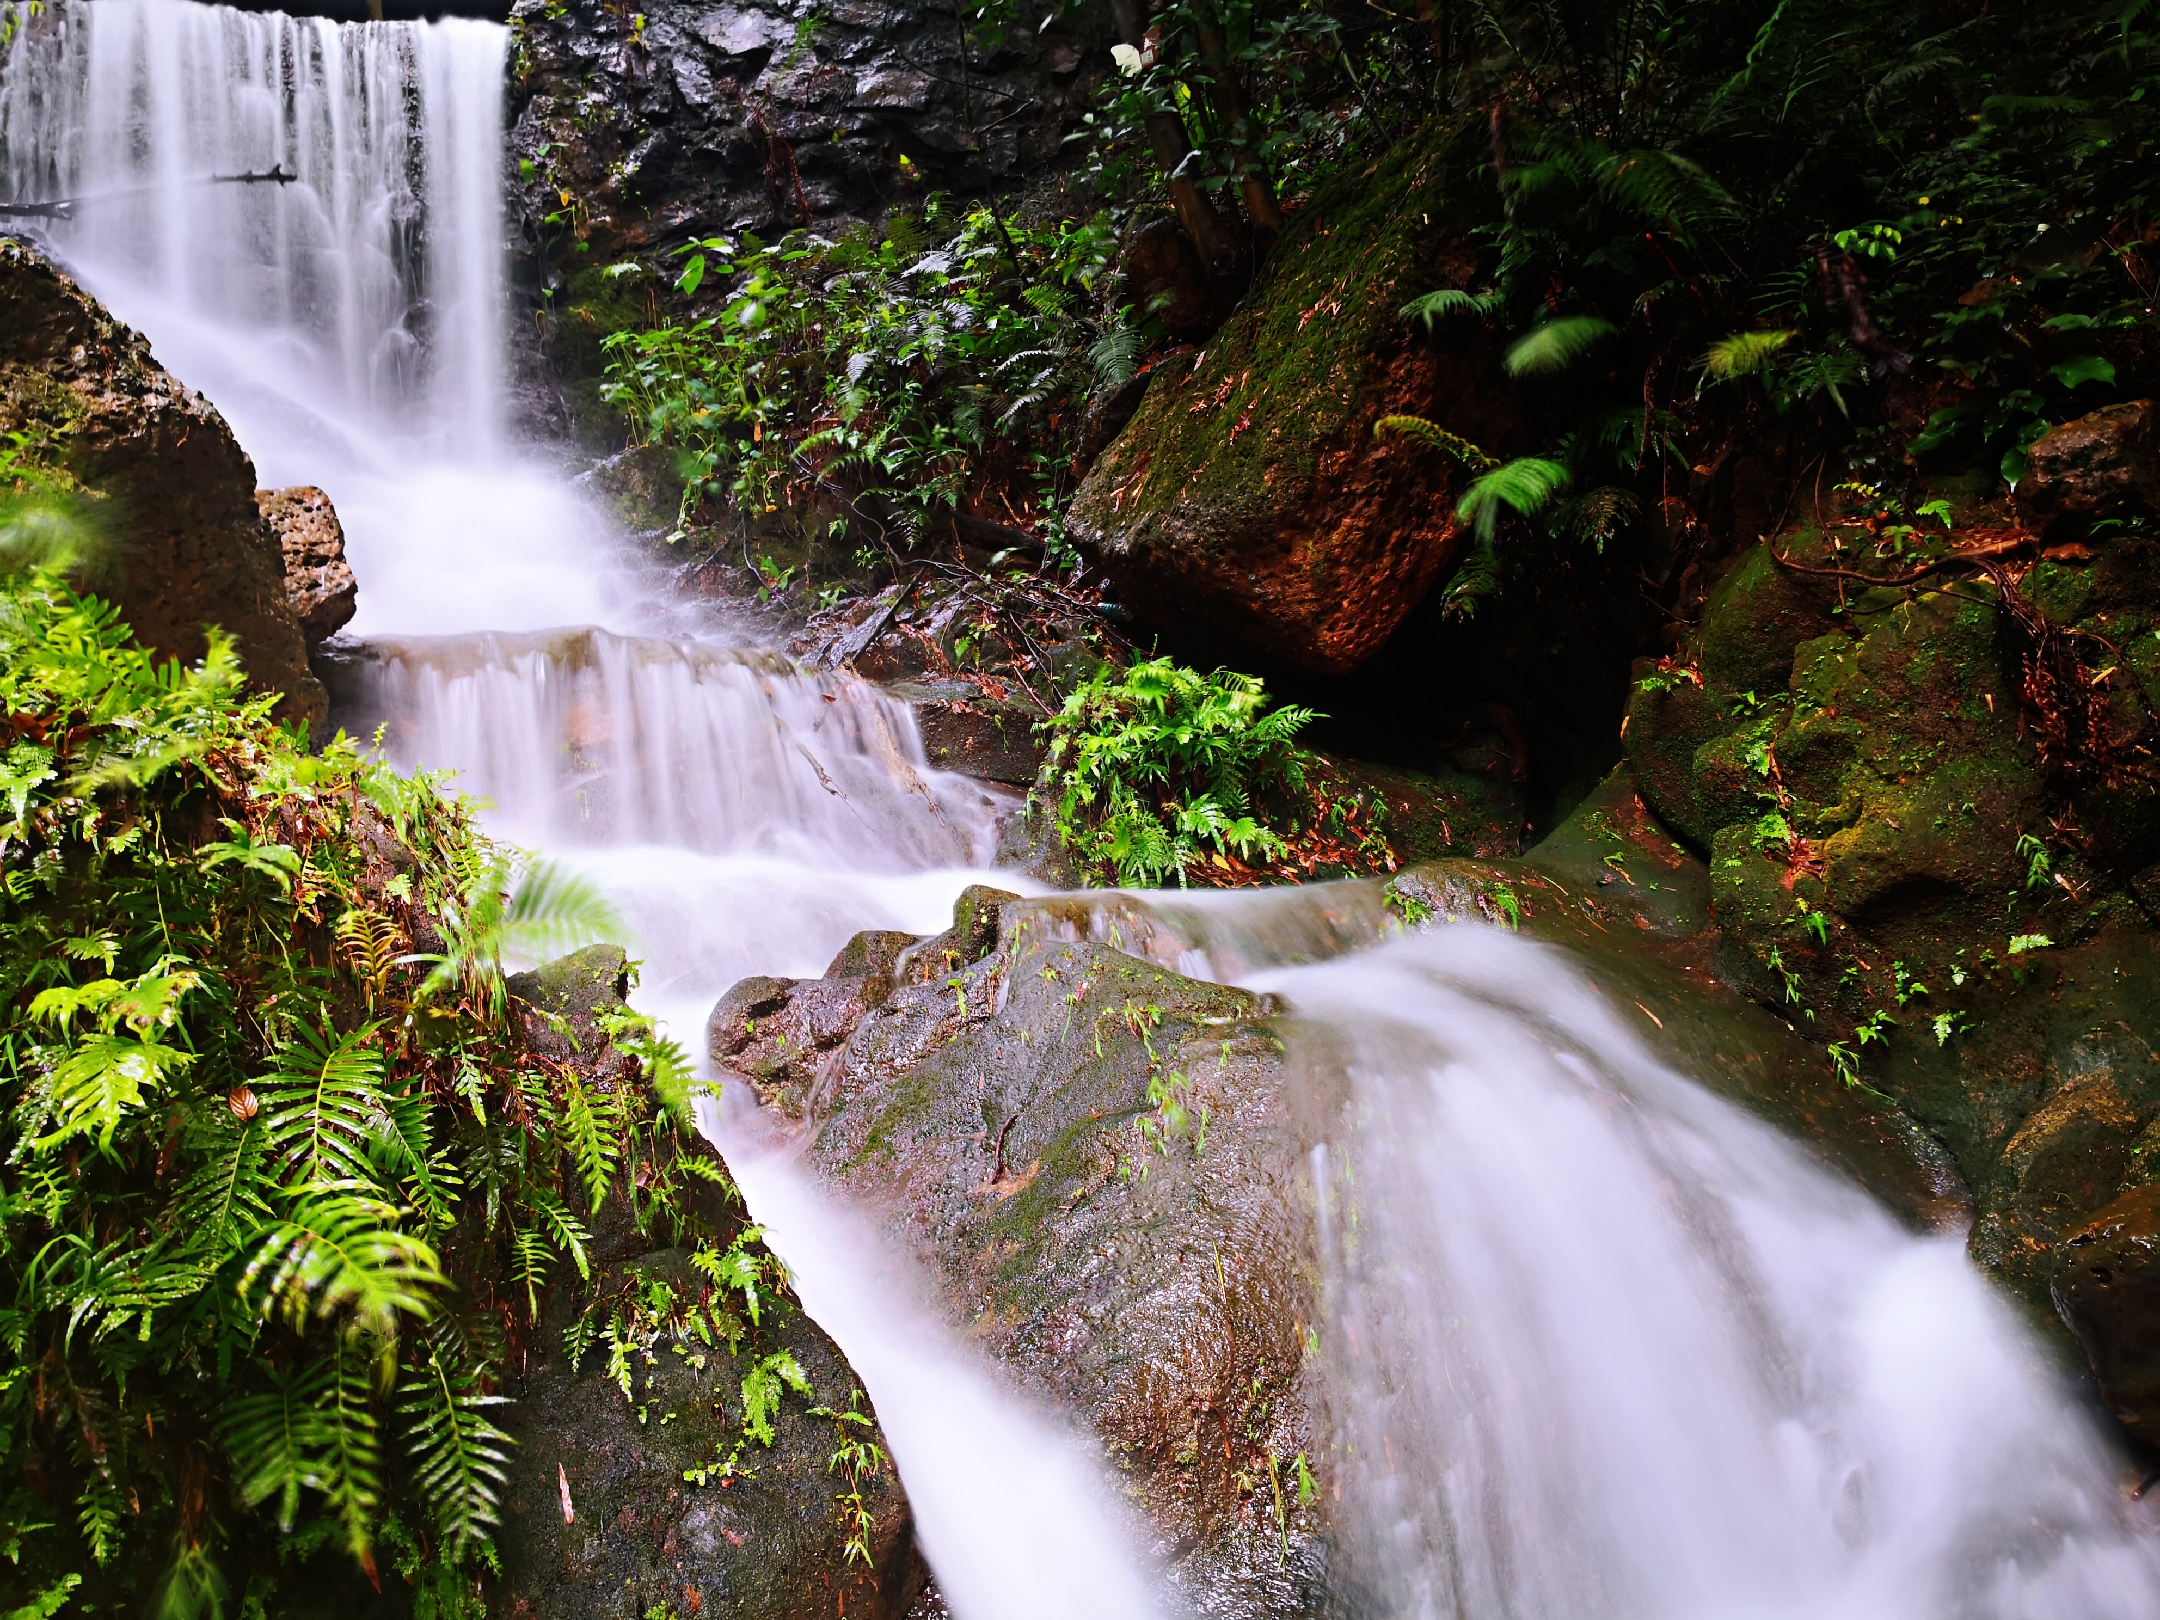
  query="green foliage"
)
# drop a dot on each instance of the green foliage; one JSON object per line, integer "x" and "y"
{"x": 907, "y": 367}
{"x": 1158, "y": 766}
{"x": 258, "y": 1068}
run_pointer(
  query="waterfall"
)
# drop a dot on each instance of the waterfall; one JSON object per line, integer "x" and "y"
{"x": 349, "y": 324}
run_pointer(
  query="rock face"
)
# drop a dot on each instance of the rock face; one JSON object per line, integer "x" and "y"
{"x": 1248, "y": 501}
{"x": 1097, "y": 1155}
{"x": 1914, "y": 851}
{"x": 637, "y": 131}
{"x": 2108, "y": 1291}
{"x": 318, "y": 580}
{"x": 175, "y": 491}
{"x": 599, "y": 1516}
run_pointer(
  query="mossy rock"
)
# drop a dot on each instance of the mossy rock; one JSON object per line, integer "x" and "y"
{"x": 1248, "y": 503}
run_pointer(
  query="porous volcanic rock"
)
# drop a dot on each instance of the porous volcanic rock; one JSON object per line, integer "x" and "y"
{"x": 318, "y": 580}
{"x": 1248, "y": 504}
{"x": 172, "y": 491}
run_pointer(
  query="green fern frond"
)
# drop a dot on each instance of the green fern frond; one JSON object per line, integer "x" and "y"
{"x": 1432, "y": 433}
{"x": 1526, "y": 486}
{"x": 335, "y": 1252}
{"x": 323, "y": 1106}
{"x": 461, "y": 1461}
{"x": 1555, "y": 345}
{"x": 591, "y": 1122}
{"x": 1744, "y": 352}
{"x": 1436, "y": 306}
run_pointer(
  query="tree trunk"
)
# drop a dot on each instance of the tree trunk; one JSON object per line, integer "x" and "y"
{"x": 1171, "y": 143}
{"x": 1254, "y": 186}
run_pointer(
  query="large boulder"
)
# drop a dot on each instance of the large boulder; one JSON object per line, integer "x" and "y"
{"x": 2106, "y": 464}
{"x": 1930, "y": 838}
{"x": 1097, "y": 1156}
{"x": 174, "y": 490}
{"x": 1248, "y": 503}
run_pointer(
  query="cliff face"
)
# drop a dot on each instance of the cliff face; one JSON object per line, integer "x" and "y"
{"x": 634, "y": 132}
{"x": 174, "y": 491}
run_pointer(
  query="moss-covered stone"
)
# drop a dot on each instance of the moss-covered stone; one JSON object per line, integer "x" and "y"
{"x": 1248, "y": 501}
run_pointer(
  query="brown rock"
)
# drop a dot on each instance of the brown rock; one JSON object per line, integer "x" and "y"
{"x": 1249, "y": 504}
{"x": 318, "y": 581}
{"x": 2108, "y": 1292}
{"x": 190, "y": 547}
{"x": 1163, "y": 275}
{"x": 2095, "y": 467}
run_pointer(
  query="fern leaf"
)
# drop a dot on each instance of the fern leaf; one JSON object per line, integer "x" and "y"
{"x": 1432, "y": 433}
{"x": 1525, "y": 486}
{"x": 1555, "y": 345}
{"x": 1744, "y": 352}
{"x": 460, "y": 1460}
{"x": 335, "y": 1252}
{"x": 1435, "y": 306}
{"x": 278, "y": 1440}
{"x": 101, "y": 1080}
{"x": 323, "y": 1106}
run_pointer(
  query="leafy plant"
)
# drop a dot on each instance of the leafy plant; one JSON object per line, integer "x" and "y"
{"x": 1160, "y": 770}
{"x": 258, "y": 1067}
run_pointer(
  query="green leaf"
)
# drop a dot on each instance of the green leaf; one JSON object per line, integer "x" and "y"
{"x": 335, "y": 1252}
{"x": 461, "y": 1460}
{"x": 47, "y": 1603}
{"x": 1432, "y": 433}
{"x": 1436, "y": 306}
{"x": 1555, "y": 345}
{"x": 2082, "y": 369}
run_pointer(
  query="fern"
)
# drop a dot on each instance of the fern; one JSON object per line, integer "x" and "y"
{"x": 1525, "y": 486}
{"x": 323, "y": 1106}
{"x": 1744, "y": 353}
{"x": 594, "y": 1131}
{"x": 335, "y": 1252}
{"x": 460, "y": 1459}
{"x": 1436, "y": 306}
{"x": 1432, "y": 433}
{"x": 1555, "y": 345}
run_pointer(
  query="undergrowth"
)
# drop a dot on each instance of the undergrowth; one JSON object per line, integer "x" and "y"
{"x": 894, "y": 378}
{"x": 1159, "y": 771}
{"x": 282, "y": 1181}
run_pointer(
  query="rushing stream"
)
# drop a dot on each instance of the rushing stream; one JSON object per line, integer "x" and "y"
{"x": 1608, "y": 1346}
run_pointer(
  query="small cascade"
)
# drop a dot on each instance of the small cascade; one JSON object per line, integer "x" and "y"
{"x": 1605, "y": 1345}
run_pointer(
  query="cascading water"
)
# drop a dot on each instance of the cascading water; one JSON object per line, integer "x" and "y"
{"x": 1606, "y": 1345}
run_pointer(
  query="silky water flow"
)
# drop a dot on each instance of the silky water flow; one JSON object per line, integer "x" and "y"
{"x": 1601, "y": 1343}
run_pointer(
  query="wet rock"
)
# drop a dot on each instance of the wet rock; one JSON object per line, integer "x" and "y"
{"x": 599, "y": 1518}
{"x": 171, "y": 489}
{"x": 2106, "y": 464}
{"x": 1248, "y": 504}
{"x": 967, "y": 729}
{"x": 636, "y": 131}
{"x": 1889, "y": 853}
{"x": 600, "y": 1514}
{"x": 318, "y": 580}
{"x": 1097, "y": 1156}
{"x": 2108, "y": 1291}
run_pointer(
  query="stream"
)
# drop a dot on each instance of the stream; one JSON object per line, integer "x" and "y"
{"x": 1608, "y": 1345}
